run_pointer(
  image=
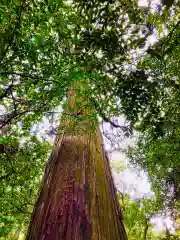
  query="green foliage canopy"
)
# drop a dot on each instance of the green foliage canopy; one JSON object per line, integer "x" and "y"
{"x": 45, "y": 46}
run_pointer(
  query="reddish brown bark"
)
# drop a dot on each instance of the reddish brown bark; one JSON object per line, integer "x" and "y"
{"x": 78, "y": 199}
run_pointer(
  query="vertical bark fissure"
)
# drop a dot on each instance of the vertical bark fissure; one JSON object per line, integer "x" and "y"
{"x": 94, "y": 211}
{"x": 112, "y": 201}
{"x": 107, "y": 195}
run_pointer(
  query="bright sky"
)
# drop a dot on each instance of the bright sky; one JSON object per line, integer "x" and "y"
{"x": 136, "y": 184}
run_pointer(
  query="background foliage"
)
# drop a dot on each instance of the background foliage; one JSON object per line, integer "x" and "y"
{"x": 44, "y": 47}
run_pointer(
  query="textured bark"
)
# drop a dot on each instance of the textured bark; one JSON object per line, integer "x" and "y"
{"x": 78, "y": 198}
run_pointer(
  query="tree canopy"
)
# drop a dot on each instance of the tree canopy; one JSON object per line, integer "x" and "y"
{"x": 45, "y": 46}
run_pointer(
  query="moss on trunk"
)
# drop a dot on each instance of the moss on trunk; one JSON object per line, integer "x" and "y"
{"x": 78, "y": 198}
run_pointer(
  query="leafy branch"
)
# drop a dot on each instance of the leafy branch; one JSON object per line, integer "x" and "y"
{"x": 28, "y": 76}
{"x": 106, "y": 119}
{"x": 17, "y": 24}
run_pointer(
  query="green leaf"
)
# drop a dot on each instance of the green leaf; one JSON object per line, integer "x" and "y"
{"x": 150, "y": 18}
{"x": 5, "y": 140}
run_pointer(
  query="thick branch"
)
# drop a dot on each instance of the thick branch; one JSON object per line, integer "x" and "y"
{"x": 13, "y": 117}
{"x": 17, "y": 115}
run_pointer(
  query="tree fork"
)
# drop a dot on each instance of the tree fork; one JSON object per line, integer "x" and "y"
{"x": 78, "y": 197}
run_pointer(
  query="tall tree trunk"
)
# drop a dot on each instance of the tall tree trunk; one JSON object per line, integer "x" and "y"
{"x": 78, "y": 198}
